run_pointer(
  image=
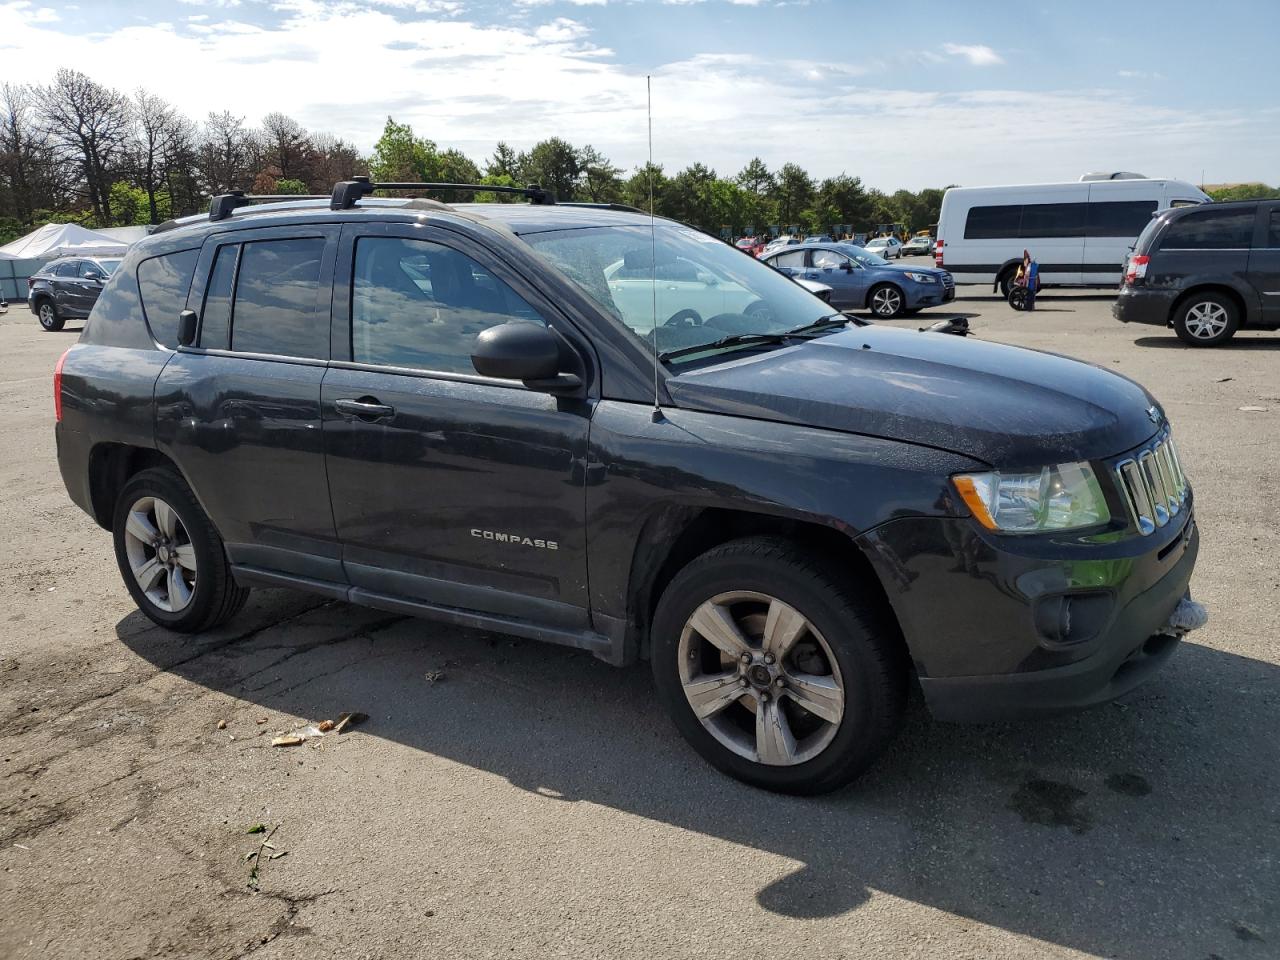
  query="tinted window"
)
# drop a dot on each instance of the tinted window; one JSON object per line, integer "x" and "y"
{"x": 277, "y": 288}
{"x": 88, "y": 266}
{"x": 1125, "y": 218}
{"x": 163, "y": 283}
{"x": 1273, "y": 232}
{"x": 421, "y": 305}
{"x": 992, "y": 223}
{"x": 1052, "y": 220}
{"x": 1210, "y": 230}
{"x": 215, "y": 315}
{"x": 69, "y": 269}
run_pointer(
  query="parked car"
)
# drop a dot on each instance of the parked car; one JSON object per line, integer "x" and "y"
{"x": 819, "y": 238}
{"x": 751, "y": 245}
{"x": 888, "y": 247}
{"x": 862, "y": 280}
{"x": 1078, "y": 231}
{"x": 1206, "y": 271}
{"x": 67, "y": 288}
{"x": 778, "y": 243}
{"x": 918, "y": 246}
{"x": 790, "y": 518}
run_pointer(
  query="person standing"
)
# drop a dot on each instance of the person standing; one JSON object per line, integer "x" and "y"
{"x": 1028, "y": 277}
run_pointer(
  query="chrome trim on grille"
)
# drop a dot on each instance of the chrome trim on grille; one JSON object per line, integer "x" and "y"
{"x": 1153, "y": 485}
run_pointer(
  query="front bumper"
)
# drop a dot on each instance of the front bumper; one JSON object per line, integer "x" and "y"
{"x": 919, "y": 295}
{"x": 983, "y": 615}
{"x": 1143, "y": 305}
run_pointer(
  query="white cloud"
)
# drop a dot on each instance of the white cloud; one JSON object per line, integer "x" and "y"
{"x": 978, "y": 54}
{"x": 468, "y": 85}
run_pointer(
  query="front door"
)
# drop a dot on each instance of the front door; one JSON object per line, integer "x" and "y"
{"x": 447, "y": 487}
{"x": 1264, "y": 262}
{"x": 66, "y": 287}
{"x": 241, "y": 410}
{"x": 845, "y": 276}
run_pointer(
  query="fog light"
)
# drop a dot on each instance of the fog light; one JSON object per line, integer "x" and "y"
{"x": 1073, "y": 618}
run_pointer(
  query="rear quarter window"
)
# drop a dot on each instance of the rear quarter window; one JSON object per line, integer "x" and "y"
{"x": 163, "y": 283}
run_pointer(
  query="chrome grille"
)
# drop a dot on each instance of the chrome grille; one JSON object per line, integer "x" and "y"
{"x": 948, "y": 281}
{"x": 1153, "y": 484}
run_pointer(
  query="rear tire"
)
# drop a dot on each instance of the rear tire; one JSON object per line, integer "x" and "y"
{"x": 172, "y": 560}
{"x": 1006, "y": 282}
{"x": 1206, "y": 320}
{"x": 47, "y": 314}
{"x": 837, "y": 652}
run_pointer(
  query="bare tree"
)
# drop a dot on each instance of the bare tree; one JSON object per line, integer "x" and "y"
{"x": 31, "y": 176}
{"x": 224, "y": 153}
{"x": 288, "y": 148}
{"x": 91, "y": 123}
{"x": 156, "y": 125}
{"x": 335, "y": 160}
{"x": 181, "y": 165}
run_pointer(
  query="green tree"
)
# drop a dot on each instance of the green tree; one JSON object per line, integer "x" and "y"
{"x": 505, "y": 162}
{"x": 635, "y": 190}
{"x": 400, "y": 157}
{"x": 598, "y": 179}
{"x": 793, "y": 193}
{"x": 1245, "y": 191}
{"x": 553, "y": 165}
{"x": 755, "y": 177}
{"x": 291, "y": 187}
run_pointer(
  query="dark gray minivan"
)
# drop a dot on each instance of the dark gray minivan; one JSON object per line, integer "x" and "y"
{"x": 1206, "y": 271}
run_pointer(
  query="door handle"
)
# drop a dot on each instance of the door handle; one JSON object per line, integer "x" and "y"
{"x": 366, "y": 408}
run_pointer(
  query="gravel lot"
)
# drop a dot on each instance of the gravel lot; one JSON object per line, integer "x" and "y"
{"x": 507, "y": 799}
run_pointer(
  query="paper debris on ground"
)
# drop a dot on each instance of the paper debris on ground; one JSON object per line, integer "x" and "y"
{"x": 311, "y": 731}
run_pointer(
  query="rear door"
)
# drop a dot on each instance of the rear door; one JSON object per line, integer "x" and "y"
{"x": 1264, "y": 262}
{"x": 240, "y": 411}
{"x": 65, "y": 280}
{"x": 1111, "y": 227}
{"x": 87, "y": 290}
{"x": 450, "y": 488}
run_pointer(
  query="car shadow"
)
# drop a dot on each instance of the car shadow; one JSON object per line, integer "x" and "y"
{"x": 1171, "y": 342}
{"x": 1121, "y": 831}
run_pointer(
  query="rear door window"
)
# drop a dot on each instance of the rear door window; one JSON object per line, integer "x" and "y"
{"x": 276, "y": 293}
{"x": 215, "y": 315}
{"x": 1120, "y": 218}
{"x": 163, "y": 283}
{"x": 1210, "y": 230}
{"x": 993, "y": 223}
{"x": 793, "y": 260}
{"x": 1273, "y": 229}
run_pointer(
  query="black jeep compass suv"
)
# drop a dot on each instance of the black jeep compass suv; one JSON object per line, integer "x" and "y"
{"x": 584, "y": 426}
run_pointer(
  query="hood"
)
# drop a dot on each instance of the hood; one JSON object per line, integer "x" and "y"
{"x": 1006, "y": 406}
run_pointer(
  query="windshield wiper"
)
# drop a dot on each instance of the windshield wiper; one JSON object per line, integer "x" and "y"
{"x": 830, "y": 320}
{"x": 803, "y": 332}
{"x": 731, "y": 341}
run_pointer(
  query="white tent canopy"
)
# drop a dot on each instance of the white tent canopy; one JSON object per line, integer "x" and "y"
{"x": 63, "y": 240}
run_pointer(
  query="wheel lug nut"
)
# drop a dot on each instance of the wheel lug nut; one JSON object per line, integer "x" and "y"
{"x": 780, "y": 682}
{"x": 746, "y": 658}
{"x": 768, "y": 658}
{"x": 764, "y": 695}
{"x": 742, "y": 682}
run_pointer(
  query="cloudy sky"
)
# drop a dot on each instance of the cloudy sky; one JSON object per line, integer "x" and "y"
{"x": 903, "y": 94}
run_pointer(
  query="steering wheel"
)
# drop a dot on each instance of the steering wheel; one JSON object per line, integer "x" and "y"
{"x": 683, "y": 318}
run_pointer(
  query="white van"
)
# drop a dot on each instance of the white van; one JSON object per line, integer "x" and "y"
{"x": 1079, "y": 233}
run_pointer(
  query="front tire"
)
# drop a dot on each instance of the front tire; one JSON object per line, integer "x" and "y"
{"x": 886, "y": 301}
{"x": 171, "y": 558}
{"x": 779, "y": 674}
{"x": 48, "y": 316}
{"x": 1206, "y": 320}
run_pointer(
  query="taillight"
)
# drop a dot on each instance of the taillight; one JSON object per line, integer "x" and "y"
{"x": 57, "y": 386}
{"x": 937, "y": 254}
{"x": 31, "y": 282}
{"x": 1137, "y": 269}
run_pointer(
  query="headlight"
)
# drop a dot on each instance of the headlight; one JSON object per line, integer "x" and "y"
{"x": 919, "y": 277}
{"x": 1063, "y": 497}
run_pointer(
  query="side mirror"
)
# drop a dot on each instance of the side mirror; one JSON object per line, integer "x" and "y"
{"x": 187, "y": 321}
{"x": 93, "y": 275}
{"x": 847, "y": 267}
{"x": 528, "y": 352}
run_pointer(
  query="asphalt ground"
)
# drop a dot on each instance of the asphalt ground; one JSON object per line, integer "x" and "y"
{"x": 509, "y": 799}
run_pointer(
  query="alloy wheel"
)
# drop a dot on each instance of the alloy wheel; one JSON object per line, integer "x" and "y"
{"x": 886, "y": 302}
{"x": 761, "y": 678}
{"x": 1206, "y": 320}
{"x": 161, "y": 555}
{"x": 46, "y": 314}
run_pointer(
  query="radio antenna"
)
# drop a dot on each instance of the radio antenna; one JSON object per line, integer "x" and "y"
{"x": 653, "y": 255}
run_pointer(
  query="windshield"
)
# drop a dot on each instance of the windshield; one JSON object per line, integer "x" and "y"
{"x": 706, "y": 291}
{"x": 863, "y": 256}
